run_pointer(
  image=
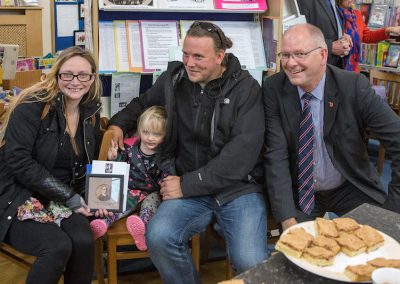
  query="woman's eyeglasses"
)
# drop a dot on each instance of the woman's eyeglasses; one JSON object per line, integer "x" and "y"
{"x": 81, "y": 77}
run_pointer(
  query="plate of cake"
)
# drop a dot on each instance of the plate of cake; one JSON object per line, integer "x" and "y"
{"x": 339, "y": 249}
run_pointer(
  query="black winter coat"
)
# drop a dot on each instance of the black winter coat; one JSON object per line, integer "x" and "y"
{"x": 237, "y": 129}
{"x": 30, "y": 151}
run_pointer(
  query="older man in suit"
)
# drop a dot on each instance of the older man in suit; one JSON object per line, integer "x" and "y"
{"x": 316, "y": 114}
{"x": 323, "y": 14}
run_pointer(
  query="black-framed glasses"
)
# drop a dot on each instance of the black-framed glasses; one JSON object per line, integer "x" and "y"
{"x": 81, "y": 77}
{"x": 296, "y": 55}
{"x": 210, "y": 27}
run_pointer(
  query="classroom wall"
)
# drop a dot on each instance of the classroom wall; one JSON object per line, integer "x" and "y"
{"x": 46, "y": 25}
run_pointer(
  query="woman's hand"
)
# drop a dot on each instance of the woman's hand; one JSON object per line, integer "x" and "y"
{"x": 112, "y": 151}
{"x": 393, "y": 30}
{"x": 84, "y": 211}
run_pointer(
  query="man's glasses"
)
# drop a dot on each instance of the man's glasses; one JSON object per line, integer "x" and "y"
{"x": 296, "y": 55}
{"x": 210, "y": 27}
{"x": 81, "y": 77}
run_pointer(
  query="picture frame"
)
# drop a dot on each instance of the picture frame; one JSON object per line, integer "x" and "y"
{"x": 104, "y": 191}
{"x": 81, "y": 10}
{"x": 377, "y": 16}
{"x": 79, "y": 38}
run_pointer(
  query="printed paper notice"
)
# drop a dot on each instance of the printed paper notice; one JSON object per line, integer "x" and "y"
{"x": 107, "y": 61}
{"x": 67, "y": 20}
{"x": 124, "y": 87}
{"x": 134, "y": 46}
{"x": 121, "y": 46}
{"x": 157, "y": 37}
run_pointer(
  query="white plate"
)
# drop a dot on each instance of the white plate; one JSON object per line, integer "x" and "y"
{"x": 390, "y": 249}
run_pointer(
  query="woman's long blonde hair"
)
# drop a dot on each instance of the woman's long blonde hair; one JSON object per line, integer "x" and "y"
{"x": 47, "y": 90}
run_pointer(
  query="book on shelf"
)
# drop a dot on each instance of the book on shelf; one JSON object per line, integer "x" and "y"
{"x": 381, "y": 53}
{"x": 364, "y": 9}
{"x": 394, "y": 18}
{"x": 258, "y": 5}
{"x": 377, "y": 17}
{"x": 368, "y": 53}
{"x": 7, "y": 3}
{"x": 127, "y": 4}
{"x": 270, "y": 40}
{"x": 392, "y": 57}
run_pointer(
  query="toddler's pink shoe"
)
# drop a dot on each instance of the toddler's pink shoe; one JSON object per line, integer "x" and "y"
{"x": 99, "y": 228}
{"x": 137, "y": 229}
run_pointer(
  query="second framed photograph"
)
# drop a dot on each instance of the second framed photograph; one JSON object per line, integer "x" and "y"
{"x": 104, "y": 191}
{"x": 81, "y": 10}
{"x": 79, "y": 38}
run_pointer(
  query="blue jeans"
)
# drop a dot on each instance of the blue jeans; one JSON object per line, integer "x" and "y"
{"x": 243, "y": 222}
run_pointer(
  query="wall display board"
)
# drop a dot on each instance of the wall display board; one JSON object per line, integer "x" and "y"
{"x": 109, "y": 17}
{"x": 68, "y": 19}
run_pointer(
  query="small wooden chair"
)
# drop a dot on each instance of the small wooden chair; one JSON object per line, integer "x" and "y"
{"x": 118, "y": 235}
{"x": 391, "y": 82}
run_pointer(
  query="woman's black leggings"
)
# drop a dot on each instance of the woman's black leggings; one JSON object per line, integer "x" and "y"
{"x": 67, "y": 250}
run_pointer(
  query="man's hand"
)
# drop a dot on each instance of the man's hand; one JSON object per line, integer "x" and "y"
{"x": 286, "y": 224}
{"x": 171, "y": 188}
{"x": 118, "y": 136}
{"x": 112, "y": 151}
{"x": 342, "y": 46}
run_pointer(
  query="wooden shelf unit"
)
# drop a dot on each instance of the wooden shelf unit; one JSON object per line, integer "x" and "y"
{"x": 22, "y": 26}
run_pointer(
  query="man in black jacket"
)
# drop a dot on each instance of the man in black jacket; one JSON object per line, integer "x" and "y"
{"x": 215, "y": 130}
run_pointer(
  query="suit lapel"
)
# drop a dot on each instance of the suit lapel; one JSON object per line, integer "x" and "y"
{"x": 331, "y": 103}
{"x": 292, "y": 106}
{"x": 329, "y": 13}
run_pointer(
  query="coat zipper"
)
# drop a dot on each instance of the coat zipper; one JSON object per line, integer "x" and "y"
{"x": 196, "y": 120}
{"x": 84, "y": 133}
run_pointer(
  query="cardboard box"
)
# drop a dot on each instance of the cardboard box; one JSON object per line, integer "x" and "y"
{"x": 23, "y": 79}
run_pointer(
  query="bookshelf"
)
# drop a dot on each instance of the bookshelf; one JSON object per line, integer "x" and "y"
{"x": 22, "y": 26}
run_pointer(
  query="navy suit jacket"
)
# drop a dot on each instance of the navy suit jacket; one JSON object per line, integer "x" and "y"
{"x": 350, "y": 106}
{"x": 317, "y": 14}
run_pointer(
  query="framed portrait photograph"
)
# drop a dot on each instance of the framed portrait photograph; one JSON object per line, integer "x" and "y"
{"x": 104, "y": 191}
{"x": 79, "y": 38}
{"x": 81, "y": 10}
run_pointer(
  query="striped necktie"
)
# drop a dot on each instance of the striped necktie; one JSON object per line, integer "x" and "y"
{"x": 305, "y": 158}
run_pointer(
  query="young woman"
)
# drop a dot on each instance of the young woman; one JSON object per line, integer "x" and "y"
{"x": 354, "y": 26}
{"x": 51, "y": 131}
{"x": 146, "y": 172}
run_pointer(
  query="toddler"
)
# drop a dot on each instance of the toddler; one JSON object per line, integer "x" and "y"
{"x": 146, "y": 171}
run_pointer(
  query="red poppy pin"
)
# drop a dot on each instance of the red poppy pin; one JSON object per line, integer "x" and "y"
{"x": 330, "y": 104}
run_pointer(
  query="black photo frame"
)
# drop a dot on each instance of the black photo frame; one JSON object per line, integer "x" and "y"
{"x": 104, "y": 191}
{"x": 79, "y": 38}
{"x": 81, "y": 10}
